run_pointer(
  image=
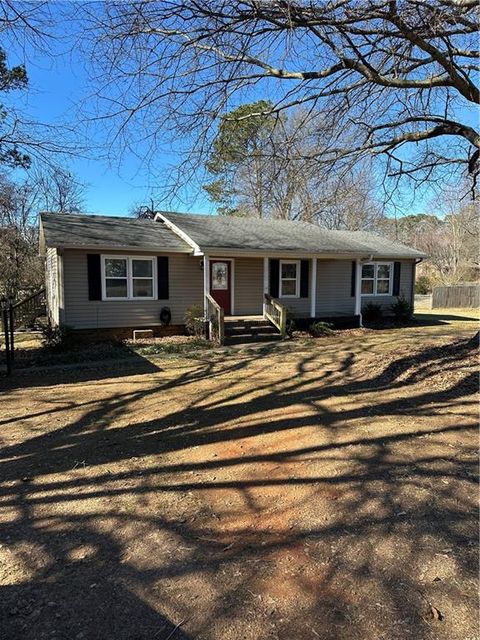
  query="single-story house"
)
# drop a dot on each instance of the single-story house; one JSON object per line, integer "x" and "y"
{"x": 117, "y": 274}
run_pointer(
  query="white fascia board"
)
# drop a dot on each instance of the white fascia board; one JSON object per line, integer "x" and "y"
{"x": 287, "y": 255}
{"x": 115, "y": 247}
{"x": 181, "y": 234}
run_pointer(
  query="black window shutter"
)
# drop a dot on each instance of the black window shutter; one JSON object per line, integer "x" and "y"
{"x": 396, "y": 278}
{"x": 94, "y": 276}
{"x": 304, "y": 269}
{"x": 274, "y": 277}
{"x": 353, "y": 280}
{"x": 162, "y": 277}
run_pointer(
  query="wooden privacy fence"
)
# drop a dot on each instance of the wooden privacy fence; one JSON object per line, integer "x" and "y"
{"x": 458, "y": 296}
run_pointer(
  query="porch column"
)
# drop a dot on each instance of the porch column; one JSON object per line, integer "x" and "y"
{"x": 206, "y": 282}
{"x": 313, "y": 294}
{"x": 358, "y": 290}
{"x": 265, "y": 281}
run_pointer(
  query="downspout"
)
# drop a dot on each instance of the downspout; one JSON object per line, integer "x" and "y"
{"x": 358, "y": 285}
{"x": 206, "y": 282}
{"x": 412, "y": 292}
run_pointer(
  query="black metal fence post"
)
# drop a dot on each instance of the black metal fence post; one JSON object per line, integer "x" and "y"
{"x": 12, "y": 329}
{"x": 7, "y": 339}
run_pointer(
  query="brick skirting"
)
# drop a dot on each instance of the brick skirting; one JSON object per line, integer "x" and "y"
{"x": 126, "y": 333}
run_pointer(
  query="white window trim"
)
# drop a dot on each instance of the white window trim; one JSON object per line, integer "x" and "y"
{"x": 129, "y": 278}
{"x": 297, "y": 279}
{"x": 375, "y": 278}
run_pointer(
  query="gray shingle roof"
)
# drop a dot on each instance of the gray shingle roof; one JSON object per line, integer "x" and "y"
{"x": 72, "y": 230}
{"x": 210, "y": 232}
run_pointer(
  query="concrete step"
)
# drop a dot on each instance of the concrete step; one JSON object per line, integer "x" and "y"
{"x": 248, "y": 338}
{"x": 239, "y": 330}
{"x": 244, "y": 322}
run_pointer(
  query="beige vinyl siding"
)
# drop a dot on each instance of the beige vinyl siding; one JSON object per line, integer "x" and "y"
{"x": 248, "y": 290}
{"x": 406, "y": 275}
{"x": 185, "y": 289}
{"x": 334, "y": 287}
{"x": 51, "y": 285}
{"x": 334, "y": 278}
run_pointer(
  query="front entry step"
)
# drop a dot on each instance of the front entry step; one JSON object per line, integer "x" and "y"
{"x": 243, "y": 330}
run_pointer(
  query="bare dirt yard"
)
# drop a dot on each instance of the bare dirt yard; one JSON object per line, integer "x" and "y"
{"x": 309, "y": 489}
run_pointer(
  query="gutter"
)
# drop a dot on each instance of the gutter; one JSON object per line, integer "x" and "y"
{"x": 114, "y": 247}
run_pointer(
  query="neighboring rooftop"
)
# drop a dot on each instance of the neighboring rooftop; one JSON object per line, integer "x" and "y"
{"x": 73, "y": 230}
{"x": 255, "y": 234}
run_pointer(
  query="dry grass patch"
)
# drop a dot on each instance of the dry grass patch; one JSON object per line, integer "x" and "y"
{"x": 324, "y": 489}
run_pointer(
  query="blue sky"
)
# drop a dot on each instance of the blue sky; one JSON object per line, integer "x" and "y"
{"x": 56, "y": 92}
{"x": 57, "y": 86}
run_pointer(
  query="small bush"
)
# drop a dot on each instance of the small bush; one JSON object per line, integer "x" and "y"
{"x": 172, "y": 347}
{"x": 194, "y": 321}
{"x": 402, "y": 310}
{"x": 372, "y": 312}
{"x": 57, "y": 338}
{"x": 318, "y": 329}
{"x": 423, "y": 286}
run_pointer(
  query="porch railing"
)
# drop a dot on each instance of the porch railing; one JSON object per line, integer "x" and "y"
{"x": 215, "y": 319}
{"x": 276, "y": 312}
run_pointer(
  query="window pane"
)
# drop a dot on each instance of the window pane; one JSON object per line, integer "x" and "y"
{"x": 382, "y": 286}
{"x": 289, "y": 270}
{"x": 368, "y": 271}
{"x": 219, "y": 275}
{"x": 383, "y": 271}
{"x": 115, "y": 268}
{"x": 116, "y": 288}
{"x": 367, "y": 286}
{"x": 288, "y": 287}
{"x": 142, "y": 288}
{"x": 142, "y": 268}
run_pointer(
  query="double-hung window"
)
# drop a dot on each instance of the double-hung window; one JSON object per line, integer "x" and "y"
{"x": 377, "y": 279}
{"x": 128, "y": 278}
{"x": 289, "y": 278}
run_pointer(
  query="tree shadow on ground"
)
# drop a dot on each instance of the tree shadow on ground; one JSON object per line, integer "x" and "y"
{"x": 47, "y": 367}
{"x": 312, "y": 503}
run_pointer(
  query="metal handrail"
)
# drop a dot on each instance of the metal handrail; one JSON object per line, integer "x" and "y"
{"x": 26, "y": 311}
{"x": 215, "y": 319}
{"x": 276, "y": 312}
{"x": 40, "y": 292}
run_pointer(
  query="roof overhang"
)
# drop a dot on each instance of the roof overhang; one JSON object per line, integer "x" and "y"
{"x": 116, "y": 247}
{"x": 283, "y": 253}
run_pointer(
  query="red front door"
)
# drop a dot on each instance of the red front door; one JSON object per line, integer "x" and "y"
{"x": 220, "y": 283}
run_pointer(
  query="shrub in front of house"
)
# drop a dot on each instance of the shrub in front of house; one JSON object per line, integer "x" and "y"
{"x": 372, "y": 312}
{"x": 402, "y": 310}
{"x": 194, "y": 321}
{"x": 319, "y": 329}
{"x": 57, "y": 338}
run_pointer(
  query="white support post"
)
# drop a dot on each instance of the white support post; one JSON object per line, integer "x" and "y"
{"x": 206, "y": 282}
{"x": 313, "y": 294}
{"x": 358, "y": 291}
{"x": 265, "y": 281}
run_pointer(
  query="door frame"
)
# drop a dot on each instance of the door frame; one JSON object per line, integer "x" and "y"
{"x": 232, "y": 278}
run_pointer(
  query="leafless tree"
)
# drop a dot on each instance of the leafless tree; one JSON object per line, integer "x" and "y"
{"x": 27, "y": 30}
{"x": 21, "y": 269}
{"x": 396, "y": 76}
{"x": 58, "y": 190}
{"x": 450, "y": 237}
{"x": 278, "y": 175}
